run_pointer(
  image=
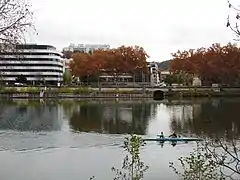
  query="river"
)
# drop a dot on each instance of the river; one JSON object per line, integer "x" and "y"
{"x": 76, "y": 139}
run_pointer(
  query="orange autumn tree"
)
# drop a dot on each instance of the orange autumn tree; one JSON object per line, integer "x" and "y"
{"x": 81, "y": 65}
{"x": 85, "y": 65}
{"x": 126, "y": 60}
{"x": 216, "y": 64}
{"x": 130, "y": 59}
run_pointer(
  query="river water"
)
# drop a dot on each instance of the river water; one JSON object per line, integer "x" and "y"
{"x": 75, "y": 139}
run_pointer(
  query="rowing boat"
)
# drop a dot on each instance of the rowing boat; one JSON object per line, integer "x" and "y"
{"x": 173, "y": 139}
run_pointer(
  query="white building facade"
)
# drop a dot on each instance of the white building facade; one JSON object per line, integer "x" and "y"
{"x": 86, "y": 48}
{"x": 39, "y": 64}
{"x": 66, "y": 62}
{"x": 154, "y": 73}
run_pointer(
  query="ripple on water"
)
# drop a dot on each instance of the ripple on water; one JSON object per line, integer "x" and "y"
{"x": 40, "y": 141}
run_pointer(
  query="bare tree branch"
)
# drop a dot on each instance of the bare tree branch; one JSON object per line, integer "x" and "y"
{"x": 225, "y": 154}
{"x": 234, "y": 28}
{"x": 15, "y": 20}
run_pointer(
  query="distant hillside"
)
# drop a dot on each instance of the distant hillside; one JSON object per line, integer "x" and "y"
{"x": 165, "y": 65}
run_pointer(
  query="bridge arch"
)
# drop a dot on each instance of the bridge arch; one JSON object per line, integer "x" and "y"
{"x": 158, "y": 95}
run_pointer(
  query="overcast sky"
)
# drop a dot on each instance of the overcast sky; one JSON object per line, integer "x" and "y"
{"x": 160, "y": 26}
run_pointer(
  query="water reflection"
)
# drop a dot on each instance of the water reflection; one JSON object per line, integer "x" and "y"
{"x": 113, "y": 118}
{"x": 205, "y": 116}
{"x": 30, "y": 116}
{"x": 218, "y": 117}
{"x": 173, "y": 143}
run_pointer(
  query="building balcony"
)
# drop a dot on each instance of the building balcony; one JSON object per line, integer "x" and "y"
{"x": 35, "y": 78}
{"x": 40, "y": 73}
{"x": 25, "y": 57}
{"x": 33, "y": 63}
{"x": 10, "y": 68}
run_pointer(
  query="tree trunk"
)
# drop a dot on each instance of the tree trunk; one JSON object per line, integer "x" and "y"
{"x": 134, "y": 79}
{"x": 99, "y": 85}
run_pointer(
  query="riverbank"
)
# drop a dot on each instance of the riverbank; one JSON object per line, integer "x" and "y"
{"x": 67, "y": 95}
{"x": 197, "y": 93}
{"x": 137, "y": 93}
{"x": 82, "y": 92}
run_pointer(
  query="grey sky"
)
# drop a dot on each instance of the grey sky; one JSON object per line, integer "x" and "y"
{"x": 160, "y": 26}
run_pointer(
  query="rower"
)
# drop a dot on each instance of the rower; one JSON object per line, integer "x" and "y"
{"x": 173, "y": 135}
{"x": 161, "y": 135}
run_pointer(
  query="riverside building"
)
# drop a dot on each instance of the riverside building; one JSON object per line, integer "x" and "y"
{"x": 37, "y": 64}
{"x": 86, "y": 48}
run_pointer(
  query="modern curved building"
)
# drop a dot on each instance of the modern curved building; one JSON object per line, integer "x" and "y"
{"x": 38, "y": 64}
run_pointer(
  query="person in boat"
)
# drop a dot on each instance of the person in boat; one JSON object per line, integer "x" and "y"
{"x": 161, "y": 135}
{"x": 173, "y": 135}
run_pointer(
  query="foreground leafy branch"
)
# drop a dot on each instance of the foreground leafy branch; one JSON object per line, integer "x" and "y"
{"x": 215, "y": 159}
{"x": 133, "y": 168}
{"x": 198, "y": 165}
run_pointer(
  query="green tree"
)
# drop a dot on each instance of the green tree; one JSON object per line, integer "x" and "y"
{"x": 67, "y": 77}
{"x": 169, "y": 80}
{"x": 174, "y": 78}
